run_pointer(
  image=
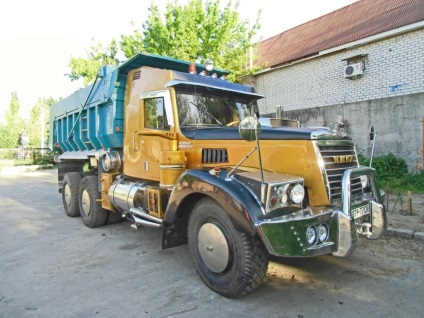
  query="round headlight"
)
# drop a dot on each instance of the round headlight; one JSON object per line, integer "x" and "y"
{"x": 311, "y": 235}
{"x": 322, "y": 232}
{"x": 297, "y": 193}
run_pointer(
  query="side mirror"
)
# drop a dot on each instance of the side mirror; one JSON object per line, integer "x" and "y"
{"x": 372, "y": 133}
{"x": 250, "y": 128}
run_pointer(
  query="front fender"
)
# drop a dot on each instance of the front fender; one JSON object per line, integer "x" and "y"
{"x": 240, "y": 204}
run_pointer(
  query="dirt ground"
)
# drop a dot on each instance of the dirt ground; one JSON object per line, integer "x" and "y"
{"x": 399, "y": 215}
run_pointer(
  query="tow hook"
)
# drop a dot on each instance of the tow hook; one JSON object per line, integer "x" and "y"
{"x": 365, "y": 229}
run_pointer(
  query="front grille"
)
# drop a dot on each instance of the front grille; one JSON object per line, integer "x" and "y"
{"x": 338, "y": 156}
{"x": 210, "y": 155}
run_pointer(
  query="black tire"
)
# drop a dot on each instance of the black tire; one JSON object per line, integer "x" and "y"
{"x": 114, "y": 217}
{"x": 91, "y": 210}
{"x": 70, "y": 186}
{"x": 229, "y": 262}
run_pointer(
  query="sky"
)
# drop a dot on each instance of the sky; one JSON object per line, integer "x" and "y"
{"x": 39, "y": 37}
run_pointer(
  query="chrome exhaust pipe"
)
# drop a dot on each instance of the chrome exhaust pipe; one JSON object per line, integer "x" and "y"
{"x": 145, "y": 215}
{"x": 139, "y": 221}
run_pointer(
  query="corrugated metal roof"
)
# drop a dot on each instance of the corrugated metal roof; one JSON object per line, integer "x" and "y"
{"x": 357, "y": 21}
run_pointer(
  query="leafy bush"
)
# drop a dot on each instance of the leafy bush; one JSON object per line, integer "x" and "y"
{"x": 44, "y": 159}
{"x": 392, "y": 171}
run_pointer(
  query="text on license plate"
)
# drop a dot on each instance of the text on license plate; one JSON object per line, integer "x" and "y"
{"x": 361, "y": 211}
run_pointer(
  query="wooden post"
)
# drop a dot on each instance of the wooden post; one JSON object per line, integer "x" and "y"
{"x": 387, "y": 197}
{"x": 410, "y": 202}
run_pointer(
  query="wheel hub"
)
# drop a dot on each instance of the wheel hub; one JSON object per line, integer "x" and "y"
{"x": 213, "y": 247}
{"x": 85, "y": 200}
{"x": 68, "y": 195}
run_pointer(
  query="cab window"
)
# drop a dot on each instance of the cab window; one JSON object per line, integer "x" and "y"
{"x": 155, "y": 114}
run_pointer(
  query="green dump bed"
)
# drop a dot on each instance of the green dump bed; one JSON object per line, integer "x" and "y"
{"x": 92, "y": 118}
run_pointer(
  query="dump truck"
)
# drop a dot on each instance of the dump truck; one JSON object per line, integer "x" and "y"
{"x": 173, "y": 145}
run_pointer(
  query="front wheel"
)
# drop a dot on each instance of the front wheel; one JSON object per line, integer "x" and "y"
{"x": 229, "y": 262}
{"x": 91, "y": 210}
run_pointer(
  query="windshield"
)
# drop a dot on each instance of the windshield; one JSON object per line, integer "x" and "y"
{"x": 205, "y": 109}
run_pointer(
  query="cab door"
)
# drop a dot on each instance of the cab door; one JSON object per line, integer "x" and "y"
{"x": 155, "y": 134}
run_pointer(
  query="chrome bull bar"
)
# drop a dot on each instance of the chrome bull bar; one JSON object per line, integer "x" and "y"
{"x": 348, "y": 232}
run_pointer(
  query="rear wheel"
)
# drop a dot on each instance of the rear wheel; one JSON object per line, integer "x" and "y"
{"x": 229, "y": 262}
{"x": 70, "y": 187}
{"x": 92, "y": 213}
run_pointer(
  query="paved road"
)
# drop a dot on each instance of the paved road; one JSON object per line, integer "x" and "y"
{"x": 53, "y": 266}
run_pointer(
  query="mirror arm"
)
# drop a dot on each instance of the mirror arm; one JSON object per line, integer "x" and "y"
{"x": 263, "y": 185}
{"x": 372, "y": 148}
{"x": 238, "y": 165}
{"x": 364, "y": 149}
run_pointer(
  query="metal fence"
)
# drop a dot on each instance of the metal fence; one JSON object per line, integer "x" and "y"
{"x": 27, "y": 155}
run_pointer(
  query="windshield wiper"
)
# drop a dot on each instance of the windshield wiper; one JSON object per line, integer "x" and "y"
{"x": 206, "y": 113}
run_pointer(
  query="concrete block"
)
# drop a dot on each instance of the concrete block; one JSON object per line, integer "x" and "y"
{"x": 419, "y": 236}
{"x": 409, "y": 234}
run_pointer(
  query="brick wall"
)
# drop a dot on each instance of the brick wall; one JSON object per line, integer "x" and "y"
{"x": 393, "y": 67}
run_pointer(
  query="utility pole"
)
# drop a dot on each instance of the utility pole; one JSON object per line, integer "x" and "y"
{"x": 42, "y": 127}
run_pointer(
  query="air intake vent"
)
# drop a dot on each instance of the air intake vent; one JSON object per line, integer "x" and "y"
{"x": 136, "y": 75}
{"x": 214, "y": 155}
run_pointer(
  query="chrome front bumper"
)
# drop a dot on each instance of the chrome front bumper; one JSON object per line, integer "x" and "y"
{"x": 285, "y": 236}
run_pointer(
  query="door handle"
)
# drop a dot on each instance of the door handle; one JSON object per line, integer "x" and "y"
{"x": 134, "y": 146}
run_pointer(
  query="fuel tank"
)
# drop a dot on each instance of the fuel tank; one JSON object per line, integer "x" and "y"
{"x": 127, "y": 194}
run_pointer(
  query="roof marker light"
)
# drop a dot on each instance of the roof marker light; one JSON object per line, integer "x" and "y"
{"x": 192, "y": 68}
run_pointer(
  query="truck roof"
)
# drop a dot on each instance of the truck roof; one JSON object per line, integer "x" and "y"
{"x": 161, "y": 62}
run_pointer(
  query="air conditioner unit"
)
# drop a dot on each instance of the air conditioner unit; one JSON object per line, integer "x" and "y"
{"x": 353, "y": 70}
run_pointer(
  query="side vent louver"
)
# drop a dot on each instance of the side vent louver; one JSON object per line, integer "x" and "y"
{"x": 214, "y": 155}
{"x": 136, "y": 75}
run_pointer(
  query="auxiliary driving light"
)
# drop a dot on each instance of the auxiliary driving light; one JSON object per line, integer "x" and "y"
{"x": 322, "y": 232}
{"x": 311, "y": 235}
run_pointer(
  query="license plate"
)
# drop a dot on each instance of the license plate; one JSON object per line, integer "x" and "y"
{"x": 361, "y": 211}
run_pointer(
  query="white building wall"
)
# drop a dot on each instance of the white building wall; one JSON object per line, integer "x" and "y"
{"x": 393, "y": 67}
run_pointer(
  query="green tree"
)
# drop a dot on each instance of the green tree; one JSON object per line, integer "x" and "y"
{"x": 196, "y": 30}
{"x": 11, "y": 131}
{"x": 87, "y": 68}
{"x": 39, "y": 122}
{"x": 186, "y": 32}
